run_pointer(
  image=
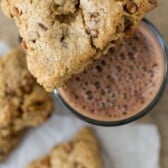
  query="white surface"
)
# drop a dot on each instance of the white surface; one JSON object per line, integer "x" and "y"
{"x": 4, "y": 48}
{"x": 130, "y": 146}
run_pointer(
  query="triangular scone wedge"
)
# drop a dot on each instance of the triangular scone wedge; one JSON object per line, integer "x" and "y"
{"x": 63, "y": 37}
{"x": 81, "y": 152}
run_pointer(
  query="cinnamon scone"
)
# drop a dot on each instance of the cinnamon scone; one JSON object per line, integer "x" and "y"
{"x": 23, "y": 102}
{"x": 81, "y": 152}
{"x": 62, "y": 37}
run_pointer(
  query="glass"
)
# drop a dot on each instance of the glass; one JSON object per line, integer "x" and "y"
{"x": 148, "y": 108}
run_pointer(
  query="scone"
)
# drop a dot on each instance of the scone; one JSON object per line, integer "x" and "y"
{"x": 23, "y": 102}
{"x": 63, "y": 36}
{"x": 81, "y": 152}
{"x": 8, "y": 143}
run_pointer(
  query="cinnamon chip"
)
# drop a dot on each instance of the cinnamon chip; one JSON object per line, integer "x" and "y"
{"x": 43, "y": 26}
{"x": 17, "y": 12}
{"x": 131, "y": 7}
{"x": 24, "y": 45}
{"x": 153, "y": 2}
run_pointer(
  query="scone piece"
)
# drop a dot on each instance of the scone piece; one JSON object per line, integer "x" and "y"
{"x": 62, "y": 37}
{"x": 8, "y": 143}
{"x": 81, "y": 152}
{"x": 23, "y": 102}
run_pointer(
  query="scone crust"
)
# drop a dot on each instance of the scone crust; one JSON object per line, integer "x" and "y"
{"x": 63, "y": 37}
{"x": 23, "y": 102}
{"x": 81, "y": 152}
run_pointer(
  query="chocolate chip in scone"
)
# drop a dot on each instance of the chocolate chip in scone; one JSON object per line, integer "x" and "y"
{"x": 33, "y": 41}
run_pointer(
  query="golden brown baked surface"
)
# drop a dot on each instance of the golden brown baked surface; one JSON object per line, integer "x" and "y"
{"x": 62, "y": 37}
{"x": 81, "y": 152}
{"x": 8, "y": 143}
{"x": 23, "y": 102}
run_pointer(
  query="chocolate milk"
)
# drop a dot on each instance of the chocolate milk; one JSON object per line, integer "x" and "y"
{"x": 122, "y": 82}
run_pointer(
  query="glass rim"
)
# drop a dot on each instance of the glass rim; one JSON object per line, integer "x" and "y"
{"x": 143, "y": 112}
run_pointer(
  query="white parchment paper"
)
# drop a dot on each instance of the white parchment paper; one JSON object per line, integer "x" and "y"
{"x": 129, "y": 146}
{"x": 4, "y": 48}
